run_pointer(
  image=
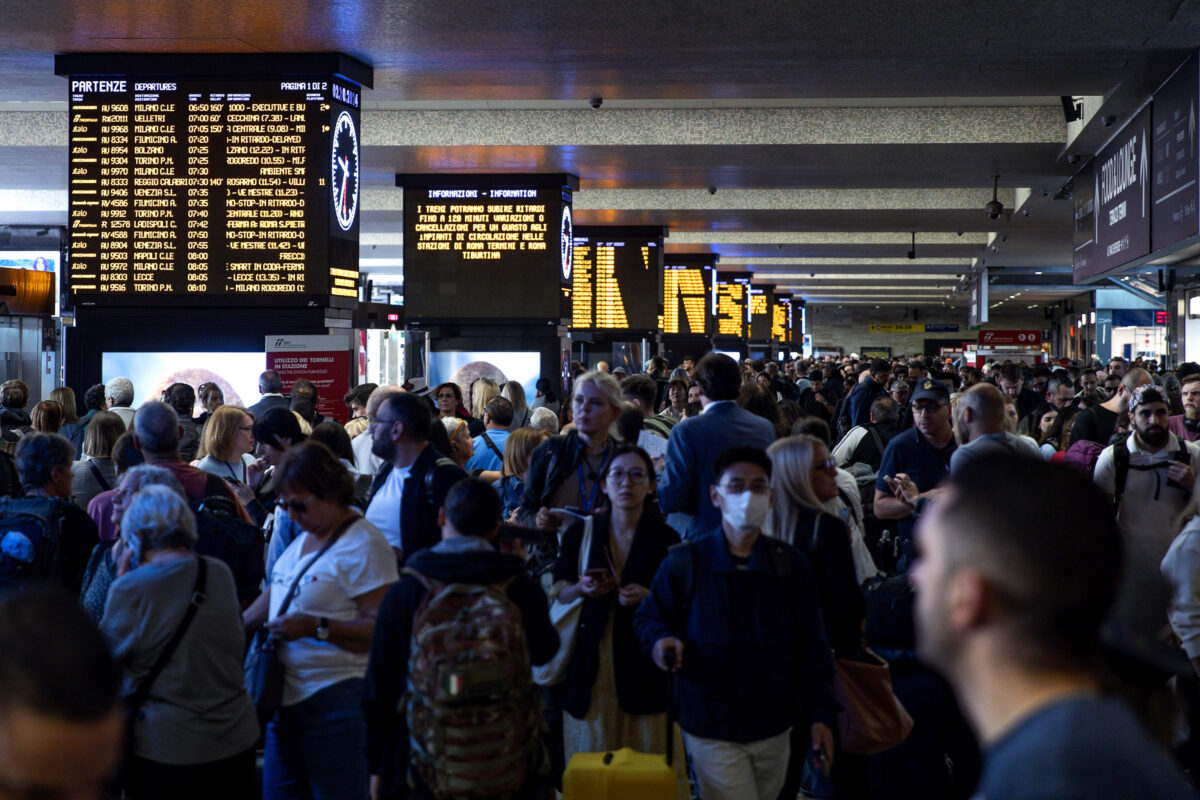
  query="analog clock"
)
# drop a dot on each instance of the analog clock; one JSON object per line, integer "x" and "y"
{"x": 567, "y": 243}
{"x": 344, "y": 170}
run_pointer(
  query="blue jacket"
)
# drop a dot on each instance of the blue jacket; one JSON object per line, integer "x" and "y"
{"x": 692, "y": 448}
{"x": 860, "y": 400}
{"x": 755, "y": 657}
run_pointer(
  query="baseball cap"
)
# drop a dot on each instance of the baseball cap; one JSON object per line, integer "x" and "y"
{"x": 929, "y": 389}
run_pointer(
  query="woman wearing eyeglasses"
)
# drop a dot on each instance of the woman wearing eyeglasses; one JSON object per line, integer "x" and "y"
{"x": 340, "y": 567}
{"x": 803, "y": 479}
{"x": 228, "y": 444}
{"x": 449, "y": 399}
{"x": 614, "y": 696}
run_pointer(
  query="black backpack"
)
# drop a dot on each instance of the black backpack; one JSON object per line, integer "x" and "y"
{"x": 30, "y": 540}
{"x": 223, "y": 534}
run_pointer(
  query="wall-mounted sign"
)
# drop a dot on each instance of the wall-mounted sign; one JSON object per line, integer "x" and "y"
{"x": 896, "y": 327}
{"x": 1174, "y": 190}
{"x": 1027, "y": 338}
{"x": 1121, "y": 182}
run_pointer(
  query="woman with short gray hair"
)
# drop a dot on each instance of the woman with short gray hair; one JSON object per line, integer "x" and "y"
{"x": 194, "y": 734}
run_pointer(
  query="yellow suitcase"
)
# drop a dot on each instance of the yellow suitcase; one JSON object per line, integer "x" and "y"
{"x": 619, "y": 775}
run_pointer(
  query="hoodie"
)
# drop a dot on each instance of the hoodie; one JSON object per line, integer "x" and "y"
{"x": 459, "y": 560}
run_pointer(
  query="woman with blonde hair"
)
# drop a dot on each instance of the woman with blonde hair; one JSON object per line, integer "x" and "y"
{"x": 228, "y": 443}
{"x": 518, "y": 449}
{"x": 803, "y": 480}
{"x": 515, "y": 394}
{"x": 482, "y": 393}
{"x": 98, "y": 473}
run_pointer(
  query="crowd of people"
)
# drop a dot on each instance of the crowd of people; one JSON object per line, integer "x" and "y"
{"x": 463, "y": 587}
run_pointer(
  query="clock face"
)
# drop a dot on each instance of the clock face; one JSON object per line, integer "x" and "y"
{"x": 344, "y": 170}
{"x": 567, "y": 243}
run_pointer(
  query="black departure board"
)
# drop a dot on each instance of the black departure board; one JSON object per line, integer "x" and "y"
{"x": 731, "y": 292}
{"x": 1175, "y": 190}
{"x": 781, "y": 319}
{"x": 617, "y": 278}
{"x": 761, "y": 316}
{"x": 687, "y": 293}
{"x": 487, "y": 246}
{"x": 1083, "y": 198}
{"x": 201, "y": 190}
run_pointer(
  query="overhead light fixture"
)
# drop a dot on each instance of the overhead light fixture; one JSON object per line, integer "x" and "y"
{"x": 994, "y": 208}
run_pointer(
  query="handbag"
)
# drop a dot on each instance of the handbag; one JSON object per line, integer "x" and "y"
{"x": 872, "y": 719}
{"x": 264, "y": 670}
{"x": 565, "y": 618}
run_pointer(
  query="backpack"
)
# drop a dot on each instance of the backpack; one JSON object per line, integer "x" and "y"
{"x": 864, "y": 476}
{"x": 224, "y": 535}
{"x": 470, "y": 702}
{"x": 1121, "y": 465}
{"x": 1083, "y": 455}
{"x": 30, "y": 540}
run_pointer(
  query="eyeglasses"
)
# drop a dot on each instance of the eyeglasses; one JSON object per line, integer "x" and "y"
{"x": 828, "y": 465}
{"x": 374, "y": 420}
{"x": 636, "y": 477}
{"x": 926, "y": 408}
{"x": 447, "y": 396}
{"x": 299, "y": 506}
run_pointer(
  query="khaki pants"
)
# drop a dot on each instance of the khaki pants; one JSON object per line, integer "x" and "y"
{"x": 739, "y": 771}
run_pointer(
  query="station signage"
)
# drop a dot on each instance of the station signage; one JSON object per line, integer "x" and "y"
{"x": 1019, "y": 338}
{"x": 1175, "y": 191}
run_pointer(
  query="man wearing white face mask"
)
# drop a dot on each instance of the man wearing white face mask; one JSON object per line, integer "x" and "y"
{"x": 735, "y": 614}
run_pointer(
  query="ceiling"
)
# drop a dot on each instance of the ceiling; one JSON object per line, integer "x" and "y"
{"x": 829, "y": 132}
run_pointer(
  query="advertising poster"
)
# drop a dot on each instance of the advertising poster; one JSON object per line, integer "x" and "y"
{"x": 324, "y": 360}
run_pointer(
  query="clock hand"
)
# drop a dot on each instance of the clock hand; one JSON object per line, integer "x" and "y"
{"x": 345, "y": 162}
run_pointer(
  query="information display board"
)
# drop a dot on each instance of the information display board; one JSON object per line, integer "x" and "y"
{"x": 190, "y": 190}
{"x": 1121, "y": 182}
{"x": 760, "y": 315}
{"x": 731, "y": 303}
{"x": 781, "y": 319}
{"x": 1174, "y": 190}
{"x": 687, "y": 289}
{"x": 617, "y": 280}
{"x": 487, "y": 246}
{"x": 1083, "y": 198}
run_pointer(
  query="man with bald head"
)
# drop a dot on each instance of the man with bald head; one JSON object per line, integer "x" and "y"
{"x": 979, "y": 424}
{"x": 1099, "y": 423}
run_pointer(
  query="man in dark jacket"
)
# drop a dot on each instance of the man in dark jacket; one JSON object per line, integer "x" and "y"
{"x": 860, "y": 399}
{"x": 14, "y": 419}
{"x": 736, "y": 615}
{"x": 413, "y": 481}
{"x": 470, "y": 520}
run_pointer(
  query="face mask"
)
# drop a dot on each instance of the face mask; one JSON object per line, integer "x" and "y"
{"x": 745, "y": 511}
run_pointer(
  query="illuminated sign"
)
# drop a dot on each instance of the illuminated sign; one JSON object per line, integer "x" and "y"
{"x": 616, "y": 279}
{"x": 687, "y": 287}
{"x": 896, "y": 327}
{"x": 486, "y": 246}
{"x": 759, "y": 312}
{"x": 781, "y": 319}
{"x": 731, "y": 303}
{"x": 186, "y": 191}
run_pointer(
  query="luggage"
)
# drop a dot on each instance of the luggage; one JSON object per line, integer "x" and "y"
{"x": 625, "y": 774}
{"x": 619, "y": 775}
{"x": 30, "y": 533}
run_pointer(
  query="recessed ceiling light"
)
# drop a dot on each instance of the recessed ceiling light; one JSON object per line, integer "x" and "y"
{"x": 1038, "y": 272}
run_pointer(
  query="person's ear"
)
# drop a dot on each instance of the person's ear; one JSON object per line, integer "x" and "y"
{"x": 714, "y": 495}
{"x": 970, "y": 602}
{"x": 441, "y": 517}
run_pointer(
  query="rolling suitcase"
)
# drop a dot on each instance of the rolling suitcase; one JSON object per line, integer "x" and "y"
{"x": 624, "y": 774}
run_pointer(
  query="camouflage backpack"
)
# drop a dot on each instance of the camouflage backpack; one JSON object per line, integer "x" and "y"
{"x": 471, "y": 704}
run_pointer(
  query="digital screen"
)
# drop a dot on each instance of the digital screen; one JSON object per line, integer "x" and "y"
{"x": 1175, "y": 192}
{"x": 616, "y": 280}
{"x": 37, "y": 260}
{"x": 465, "y": 367}
{"x": 687, "y": 288}
{"x": 761, "y": 316}
{"x": 243, "y": 190}
{"x": 781, "y": 319}
{"x": 486, "y": 250}
{"x": 151, "y": 373}
{"x": 731, "y": 303}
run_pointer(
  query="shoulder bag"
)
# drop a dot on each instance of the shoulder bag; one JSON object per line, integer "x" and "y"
{"x": 565, "y": 618}
{"x": 264, "y": 670}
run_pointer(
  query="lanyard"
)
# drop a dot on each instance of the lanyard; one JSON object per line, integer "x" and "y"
{"x": 586, "y": 505}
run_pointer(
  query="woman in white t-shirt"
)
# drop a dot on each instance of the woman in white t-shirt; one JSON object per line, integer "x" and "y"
{"x": 316, "y": 743}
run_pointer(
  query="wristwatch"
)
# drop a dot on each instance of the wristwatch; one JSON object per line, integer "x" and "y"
{"x": 323, "y": 629}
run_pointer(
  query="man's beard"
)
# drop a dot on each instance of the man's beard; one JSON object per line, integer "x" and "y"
{"x": 1154, "y": 436}
{"x": 1191, "y": 412}
{"x": 384, "y": 448}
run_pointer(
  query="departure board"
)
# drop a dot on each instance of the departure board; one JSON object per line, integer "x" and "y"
{"x": 731, "y": 303}
{"x": 190, "y": 191}
{"x": 617, "y": 279}
{"x": 486, "y": 246}
{"x": 762, "y": 298}
{"x": 687, "y": 287}
{"x": 781, "y": 322}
